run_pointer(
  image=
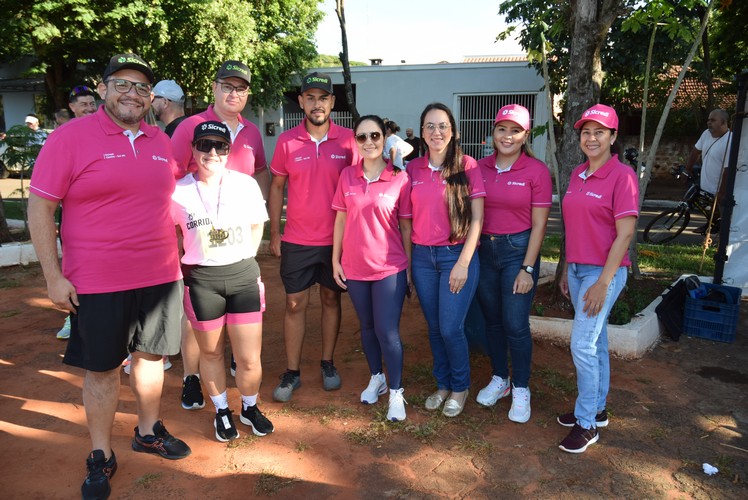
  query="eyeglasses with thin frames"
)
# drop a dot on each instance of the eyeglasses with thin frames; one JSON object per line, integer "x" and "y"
{"x": 227, "y": 88}
{"x": 123, "y": 86}
{"x": 431, "y": 127}
{"x": 374, "y": 136}
{"x": 207, "y": 145}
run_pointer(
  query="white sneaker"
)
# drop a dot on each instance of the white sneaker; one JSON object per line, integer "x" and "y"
{"x": 64, "y": 332}
{"x": 377, "y": 387}
{"x": 496, "y": 389}
{"x": 520, "y": 410}
{"x": 396, "y": 412}
{"x": 167, "y": 362}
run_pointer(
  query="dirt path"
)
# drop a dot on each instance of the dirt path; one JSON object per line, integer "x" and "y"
{"x": 670, "y": 413}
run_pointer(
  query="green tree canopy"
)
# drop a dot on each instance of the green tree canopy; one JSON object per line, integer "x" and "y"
{"x": 185, "y": 40}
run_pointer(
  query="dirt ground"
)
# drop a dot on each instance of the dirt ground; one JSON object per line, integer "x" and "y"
{"x": 671, "y": 411}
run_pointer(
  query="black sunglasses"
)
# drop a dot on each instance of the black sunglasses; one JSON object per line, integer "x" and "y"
{"x": 206, "y": 145}
{"x": 361, "y": 138}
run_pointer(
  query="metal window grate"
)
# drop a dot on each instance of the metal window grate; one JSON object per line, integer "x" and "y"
{"x": 342, "y": 118}
{"x": 475, "y": 115}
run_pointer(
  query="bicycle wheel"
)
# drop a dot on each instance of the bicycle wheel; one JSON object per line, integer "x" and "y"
{"x": 667, "y": 226}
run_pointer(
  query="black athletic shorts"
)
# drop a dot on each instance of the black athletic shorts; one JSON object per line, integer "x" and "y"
{"x": 302, "y": 266}
{"x": 107, "y": 326}
{"x": 219, "y": 295}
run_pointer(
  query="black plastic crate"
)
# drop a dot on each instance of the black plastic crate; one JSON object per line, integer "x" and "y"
{"x": 713, "y": 320}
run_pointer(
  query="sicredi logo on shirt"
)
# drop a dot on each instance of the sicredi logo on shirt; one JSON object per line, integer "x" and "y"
{"x": 159, "y": 158}
{"x": 515, "y": 183}
{"x": 337, "y": 157}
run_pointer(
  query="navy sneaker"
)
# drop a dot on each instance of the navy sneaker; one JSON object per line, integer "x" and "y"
{"x": 100, "y": 471}
{"x": 161, "y": 443}
{"x": 192, "y": 394}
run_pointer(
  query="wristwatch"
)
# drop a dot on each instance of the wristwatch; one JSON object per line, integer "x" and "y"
{"x": 528, "y": 269}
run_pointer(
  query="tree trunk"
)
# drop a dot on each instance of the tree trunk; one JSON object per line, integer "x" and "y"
{"x": 590, "y": 24}
{"x": 351, "y": 101}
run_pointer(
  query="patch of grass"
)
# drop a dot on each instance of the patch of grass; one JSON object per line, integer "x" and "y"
{"x": 643, "y": 380}
{"x": 724, "y": 463}
{"x": 13, "y": 209}
{"x": 8, "y": 314}
{"x": 555, "y": 380}
{"x": 474, "y": 445}
{"x": 248, "y": 439}
{"x": 376, "y": 432}
{"x": 538, "y": 309}
{"x": 426, "y": 431}
{"x": 419, "y": 373}
{"x": 301, "y": 446}
{"x": 9, "y": 283}
{"x": 327, "y": 413}
{"x": 658, "y": 433}
{"x": 146, "y": 480}
{"x": 269, "y": 483}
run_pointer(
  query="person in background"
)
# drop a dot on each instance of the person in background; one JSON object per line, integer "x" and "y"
{"x": 220, "y": 215}
{"x": 415, "y": 143}
{"x": 82, "y": 101}
{"x": 32, "y": 122}
{"x": 518, "y": 201}
{"x": 447, "y": 197}
{"x": 168, "y": 104}
{"x": 120, "y": 275}
{"x": 395, "y": 149}
{"x": 600, "y": 210}
{"x": 309, "y": 158}
{"x": 371, "y": 257}
{"x": 62, "y": 116}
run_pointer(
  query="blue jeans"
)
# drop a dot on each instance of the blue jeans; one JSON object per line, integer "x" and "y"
{"x": 445, "y": 311}
{"x": 589, "y": 341}
{"x": 378, "y": 305}
{"x": 507, "y": 314}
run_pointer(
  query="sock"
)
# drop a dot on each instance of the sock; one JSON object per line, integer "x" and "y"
{"x": 248, "y": 401}
{"x": 221, "y": 401}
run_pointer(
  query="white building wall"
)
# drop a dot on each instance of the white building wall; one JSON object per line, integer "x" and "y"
{"x": 16, "y": 105}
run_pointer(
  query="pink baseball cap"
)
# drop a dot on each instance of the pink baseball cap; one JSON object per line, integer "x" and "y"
{"x": 514, "y": 113}
{"x": 600, "y": 113}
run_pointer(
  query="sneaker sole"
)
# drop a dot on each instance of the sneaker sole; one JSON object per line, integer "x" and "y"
{"x": 223, "y": 439}
{"x": 381, "y": 392}
{"x": 248, "y": 422}
{"x": 583, "y": 448}
{"x": 195, "y": 406}
{"x": 145, "y": 449}
{"x": 519, "y": 420}
{"x": 488, "y": 403}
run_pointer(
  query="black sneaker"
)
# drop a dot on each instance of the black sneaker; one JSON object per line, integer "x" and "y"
{"x": 192, "y": 394}
{"x": 225, "y": 428}
{"x": 569, "y": 420}
{"x": 161, "y": 443}
{"x": 290, "y": 381}
{"x": 260, "y": 424}
{"x": 330, "y": 377}
{"x": 579, "y": 439}
{"x": 100, "y": 471}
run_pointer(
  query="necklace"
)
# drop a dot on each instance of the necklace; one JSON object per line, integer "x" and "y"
{"x": 215, "y": 235}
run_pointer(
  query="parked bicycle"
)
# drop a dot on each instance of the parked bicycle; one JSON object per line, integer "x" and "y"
{"x": 672, "y": 221}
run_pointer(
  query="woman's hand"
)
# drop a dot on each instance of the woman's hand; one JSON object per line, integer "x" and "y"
{"x": 594, "y": 298}
{"x": 564, "y": 284}
{"x": 339, "y": 275}
{"x": 523, "y": 282}
{"x": 457, "y": 278}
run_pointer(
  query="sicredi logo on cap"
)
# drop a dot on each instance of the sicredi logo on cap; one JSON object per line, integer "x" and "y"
{"x": 316, "y": 79}
{"x": 234, "y": 67}
{"x": 510, "y": 112}
{"x": 210, "y": 126}
{"x": 123, "y": 60}
{"x": 596, "y": 112}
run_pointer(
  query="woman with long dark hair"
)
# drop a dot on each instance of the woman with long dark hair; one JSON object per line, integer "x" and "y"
{"x": 371, "y": 257}
{"x": 447, "y": 196}
{"x": 600, "y": 210}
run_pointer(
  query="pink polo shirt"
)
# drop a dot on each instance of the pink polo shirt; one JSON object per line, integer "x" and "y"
{"x": 511, "y": 196}
{"x": 372, "y": 243}
{"x": 313, "y": 173}
{"x": 591, "y": 207}
{"x": 117, "y": 232}
{"x": 430, "y": 215}
{"x": 247, "y": 151}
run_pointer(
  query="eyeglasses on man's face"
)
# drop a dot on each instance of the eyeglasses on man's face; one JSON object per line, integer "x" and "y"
{"x": 432, "y": 127}
{"x": 227, "y": 88}
{"x": 123, "y": 86}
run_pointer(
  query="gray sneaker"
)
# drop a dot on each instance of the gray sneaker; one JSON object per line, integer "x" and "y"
{"x": 289, "y": 383}
{"x": 330, "y": 377}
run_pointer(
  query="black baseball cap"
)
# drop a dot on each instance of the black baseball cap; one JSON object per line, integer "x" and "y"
{"x": 236, "y": 69}
{"x": 211, "y": 129}
{"x": 317, "y": 80}
{"x": 129, "y": 61}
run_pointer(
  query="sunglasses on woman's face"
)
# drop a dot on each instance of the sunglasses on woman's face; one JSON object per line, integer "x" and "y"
{"x": 374, "y": 136}
{"x": 206, "y": 145}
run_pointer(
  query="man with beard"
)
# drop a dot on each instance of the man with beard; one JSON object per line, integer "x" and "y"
{"x": 168, "y": 104}
{"x": 310, "y": 158}
{"x": 120, "y": 277}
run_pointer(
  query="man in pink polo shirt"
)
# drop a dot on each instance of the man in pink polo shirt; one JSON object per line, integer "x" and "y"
{"x": 310, "y": 158}
{"x": 120, "y": 277}
{"x": 247, "y": 155}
